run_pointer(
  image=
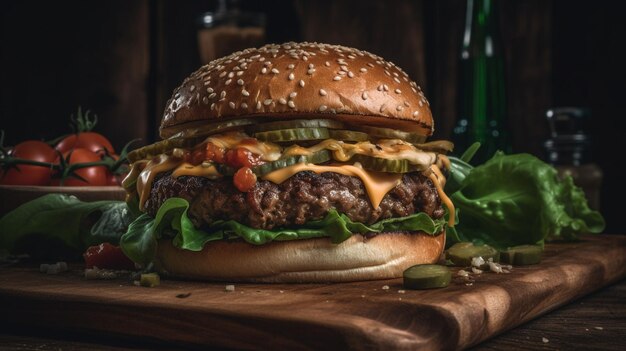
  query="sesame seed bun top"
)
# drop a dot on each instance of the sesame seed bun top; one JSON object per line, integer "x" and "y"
{"x": 299, "y": 80}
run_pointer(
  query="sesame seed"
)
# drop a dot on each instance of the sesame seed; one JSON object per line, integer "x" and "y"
{"x": 305, "y": 58}
{"x": 382, "y": 107}
{"x": 323, "y": 108}
{"x": 282, "y": 101}
{"x": 293, "y": 95}
{"x": 396, "y": 79}
{"x": 212, "y": 95}
{"x": 399, "y": 108}
{"x": 231, "y": 74}
{"x": 371, "y": 65}
{"x": 344, "y": 68}
{"x": 262, "y": 59}
{"x": 421, "y": 103}
{"x": 223, "y": 74}
{"x": 268, "y": 63}
{"x": 398, "y": 91}
{"x": 267, "y": 102}
{"x": 291, "y": 66}
{"x": 240, "y": 81}
{"x": 212, "y": 106}
{"x": 205, "y": 100}
{"x": 380, "y": 88}
{"x": 337, "y": 78}
{"x": 395, "y": 74}
{"x": 342, "y": 73}
{"x": 327, "y": 64}
{"x": 275, "y": 71}
{"x": 223, "y": 94}
{"x": 350, "y": 74}
{"x": 301, "y": 83}
{"x": 416, "y": 113}
{"x": 258, "y": 105}
{"x": 311, "y": 71}
{"x": 415, "y": 91}
{"x": 244, "y": 105}
{"x": 228, "y": 81}
{"x": 363, "y": 70}
{"x": 406, "y": 103}
{"x": 291, "y": 104}
{"x": 387, "y": 73}
{"x": 364, "y": 95}
{"x": 385, "y": 87}
{"x": 264, "y": 70}
{"x": 192, "y": 88}
{"x": 232, "y": 104}
{"x": 311, "y": 65}
{"x": 323, "y": 92}
{"x": 244, "y": 92}
{"x": 351, "y": 57}
{"x": 239, "y": 73}
{"x": 209, "y": 90}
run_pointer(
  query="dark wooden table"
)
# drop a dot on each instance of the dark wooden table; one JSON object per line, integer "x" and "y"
{"x": 597, "y": 321}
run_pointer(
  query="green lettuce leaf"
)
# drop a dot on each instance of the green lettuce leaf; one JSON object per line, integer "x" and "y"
{"x": 57, "y": 225}
{"x": 171, "y": 221}
{"x": 518, "y": 199}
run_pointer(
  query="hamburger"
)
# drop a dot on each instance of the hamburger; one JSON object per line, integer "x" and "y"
{"x": 298, "y": 162}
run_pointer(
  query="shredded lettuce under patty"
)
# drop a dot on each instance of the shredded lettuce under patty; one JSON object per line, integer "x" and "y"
{"x": 171, "y": 221}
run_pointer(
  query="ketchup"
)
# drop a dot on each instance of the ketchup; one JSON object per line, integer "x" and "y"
{"x": 107, "y": 256}
{"x": 244, "y": 179}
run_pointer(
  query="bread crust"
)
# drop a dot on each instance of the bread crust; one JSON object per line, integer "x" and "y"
{"x": 382, "y": 256}
{"x": 297, "y": 80}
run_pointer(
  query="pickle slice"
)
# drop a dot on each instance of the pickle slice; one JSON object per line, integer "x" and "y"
{"x": 386, "y": 133}
{"x": 198, "y": 129}
{"x": 461, "y": 253}
{"x": 293, "y": 134}
{"x": 347, "y": 135}
{"x": 315, "y": 157}
{"x": 160, "y": 147}
{"x": 521, "y": 255}
{"x": 384, "y": 165}
{"x": 426, "y": 276}
{"x": 296, "y": 123}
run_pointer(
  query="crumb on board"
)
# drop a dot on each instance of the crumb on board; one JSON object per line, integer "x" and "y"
{"x": 598, "y": 328}
{"x": 97, "y": 273}
{"x": 229, "y": 288}
{"x": 478, "y": 261}
{"x": 476, "y": 270}
{"x": 53, "y": 268}
{"x": 385, "y": 287}
{"x": 401, "y": 291}
{"x": 545, "y": 340}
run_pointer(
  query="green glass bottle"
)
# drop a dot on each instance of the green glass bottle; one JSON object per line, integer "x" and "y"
{"x": 481, "y": 95}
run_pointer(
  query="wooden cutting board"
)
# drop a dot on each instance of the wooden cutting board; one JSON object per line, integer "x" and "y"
{"x": 361, "y": 315}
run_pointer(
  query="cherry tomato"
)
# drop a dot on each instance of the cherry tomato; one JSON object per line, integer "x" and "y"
{"x": 107, "y": 256}
{"x": 92, "y": 141}
{"x": 33, "y": 150}
{"x": 95, "y": 176}
{"x": 241, "y": 157}
{"x": 244, "y": 179}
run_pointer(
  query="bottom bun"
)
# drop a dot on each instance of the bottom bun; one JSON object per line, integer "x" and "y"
{"x": 382, "y": 256}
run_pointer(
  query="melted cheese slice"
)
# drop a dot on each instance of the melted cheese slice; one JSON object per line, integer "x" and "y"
{"x": 160, "y": 164}
{"x": 377, "y": 184}
{"x": 440, "y": 182}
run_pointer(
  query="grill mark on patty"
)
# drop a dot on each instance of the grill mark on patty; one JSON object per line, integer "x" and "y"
{"x": 303, "y": 197}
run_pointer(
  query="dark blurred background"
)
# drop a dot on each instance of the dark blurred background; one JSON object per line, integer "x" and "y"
{"x": 121, "y": 59}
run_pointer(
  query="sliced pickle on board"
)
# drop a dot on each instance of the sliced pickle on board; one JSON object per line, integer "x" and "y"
{"x": 293, "y": 135}
{"x": 426, "y": 276}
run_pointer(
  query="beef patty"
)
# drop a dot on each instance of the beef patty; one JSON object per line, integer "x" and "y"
{"x": 303, "y": 197}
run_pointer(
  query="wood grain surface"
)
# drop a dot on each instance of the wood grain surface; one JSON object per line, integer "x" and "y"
{"x": 359, "y": 315}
